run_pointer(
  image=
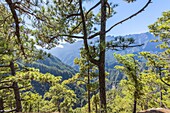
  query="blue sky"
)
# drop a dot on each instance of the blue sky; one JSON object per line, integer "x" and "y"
{"x": 137, "y": 24}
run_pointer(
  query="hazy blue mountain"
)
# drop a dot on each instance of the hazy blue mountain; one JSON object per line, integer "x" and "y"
{"x": 69, "y": 52}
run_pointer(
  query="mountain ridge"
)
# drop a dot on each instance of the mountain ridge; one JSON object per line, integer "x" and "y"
{"x": 69, "y": 52}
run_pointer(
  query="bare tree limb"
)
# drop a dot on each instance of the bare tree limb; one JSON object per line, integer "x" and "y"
{"x": 160, "y": 76}
{"x": 72, "y": 36}
{"x": 77, "y": 26}
{"x": 71, "y": 15}
{"x": 25, "y": 11}
{"x": 164, "y": 81}
{"x": 87, "y": 14}
{"x": 126, "y": 46}
{"x": 120, "y": 22}
{"x": 94, "y": 61}
{"x": 94, "y": 35}
{"x": 92, "y": 8}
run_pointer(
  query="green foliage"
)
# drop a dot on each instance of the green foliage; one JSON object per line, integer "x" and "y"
{"x": 131, "y": 68}
{"x": 62, "y": 98}
{"x": 10, "y": 51}
{"x": 86, "y": 79}
{"x": 149, "y": 96}
{"x": 161, "y": 27}
{"x": 32, "y": 102}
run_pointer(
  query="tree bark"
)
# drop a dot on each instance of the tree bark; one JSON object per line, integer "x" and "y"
{"x": 161, "y": 98}
{"x": 102, "y": 89}
{"x": 101, "y": 65}
{"x": 38, "y": 106}
{"x": 146, "y": 105}
{"x": 58, "y": 105}
{"x": 1, "y": 105}
{"x": 101, "y": 62}
{"x": 96, "y": 105}
{"x": 16, "y": 89}
{"x": 88, "y": 91}
{"x": 135, "y": 102}
{"x": 30, "y": 108}
{"x": 160, "y": 88}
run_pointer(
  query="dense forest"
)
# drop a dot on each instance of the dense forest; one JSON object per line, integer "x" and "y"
{"x": 96, "y": 74}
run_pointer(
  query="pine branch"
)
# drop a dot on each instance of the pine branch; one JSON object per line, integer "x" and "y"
{"x": 28, "y": 12}
{"x": 164, "y": 81}
{"x": 113, "y": 47}
{"x": 87, "y": 14}
{"x": 1, "y": 66}
{"x": 135, "y": 14}
{"x": 6, "y": 87}
{"x": 94, "y": 35}
{"x": 76, "y": 26}
{"x": 85, "y": 35}
{"x": 160, "y": 75}
{"x": 72, "y": 36}
{"x": 25, "y": 86}
{"x": 17, "y": 28}
{"x": 120, "y": 22}
{"x": 7, "y": 111}
{"x": 5, "y": 82}
{"x": 92, "y": 8}
{"x": 72, "y": 15}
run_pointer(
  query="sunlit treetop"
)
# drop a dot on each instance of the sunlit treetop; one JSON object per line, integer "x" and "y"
{"x": 161, "y": 27}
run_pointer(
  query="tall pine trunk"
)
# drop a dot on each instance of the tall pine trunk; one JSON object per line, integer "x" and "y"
{"x": 161, "y": 98}
{"x": 96, "y": 107}
{"x": 88, "y": 90}
{"x": 58, "y": 105}
{"x": 101, "y": 65}
{"x": 16, "y": 89}
{"x": 102, "y": 89}
{"x": 38, "y": 107}
{"x": 1, "y": 105}
{"x": 135, "y": 102}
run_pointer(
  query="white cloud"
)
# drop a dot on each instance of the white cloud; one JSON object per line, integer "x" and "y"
{"x": 60, "y": 46}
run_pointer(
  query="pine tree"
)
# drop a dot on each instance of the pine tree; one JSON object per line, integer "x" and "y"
{"x": 130, "y": 67}
{"x": 87, "y": 76}
{"x": 69, "y": 18}
{"x": 11, "y": 52}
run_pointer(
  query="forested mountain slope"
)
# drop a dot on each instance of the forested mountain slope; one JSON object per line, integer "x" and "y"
{"x": 54, "y": 66}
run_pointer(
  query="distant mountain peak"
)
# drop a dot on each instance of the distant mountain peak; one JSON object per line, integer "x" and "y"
{"x": 69, "y": 52}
